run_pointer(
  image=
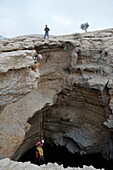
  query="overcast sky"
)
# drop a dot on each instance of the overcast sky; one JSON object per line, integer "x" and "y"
{"x": 22, "y": 17}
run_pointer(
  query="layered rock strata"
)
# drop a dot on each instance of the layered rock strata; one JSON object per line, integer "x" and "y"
{"x": 69, "y": 105}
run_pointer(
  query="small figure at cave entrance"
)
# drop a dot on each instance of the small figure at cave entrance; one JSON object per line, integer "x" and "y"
{"x": 39, "y": 152}
{"x": 36, "y": 63}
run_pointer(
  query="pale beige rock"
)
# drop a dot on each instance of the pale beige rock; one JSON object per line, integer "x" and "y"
{"x": 98, "y": 82}
{"x": 15, "y": 84}
{"x": 74, "y": 92}
{"x": 15, "y": 60}
{"x": 7, "y": 164}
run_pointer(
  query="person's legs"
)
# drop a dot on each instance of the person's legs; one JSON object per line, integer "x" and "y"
{"x": 37, "y": 157}
{"x": 48, "y": 35}
{"x": 34, "y": 67}
{"x": 45, "y": 35}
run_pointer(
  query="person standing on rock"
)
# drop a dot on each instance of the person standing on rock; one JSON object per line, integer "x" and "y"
{"x": 46, "y": 32}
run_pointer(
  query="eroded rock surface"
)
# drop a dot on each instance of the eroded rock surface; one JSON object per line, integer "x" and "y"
{"x": 7, "y": 164}
{"x": 69, "y": 105}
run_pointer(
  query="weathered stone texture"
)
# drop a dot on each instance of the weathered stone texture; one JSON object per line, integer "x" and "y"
{"x": 69, "y": 104}
{"x": 15, "y": 60}
{"x": 7, "y": 164}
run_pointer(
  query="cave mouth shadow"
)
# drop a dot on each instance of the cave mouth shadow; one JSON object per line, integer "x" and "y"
{"x": 61, "y": 155}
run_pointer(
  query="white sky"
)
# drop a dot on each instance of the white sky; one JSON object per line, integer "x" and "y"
{"x": 22, "y": 17}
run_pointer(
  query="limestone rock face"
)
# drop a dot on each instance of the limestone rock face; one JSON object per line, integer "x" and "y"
{"x": 69, "y": 104}
{"x": 15, "y": 60}
{"x": 16, "y": 81}
{"x": 7, "y": 164}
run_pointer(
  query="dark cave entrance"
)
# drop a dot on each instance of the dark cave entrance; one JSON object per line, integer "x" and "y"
{"x": 61, "y": 155}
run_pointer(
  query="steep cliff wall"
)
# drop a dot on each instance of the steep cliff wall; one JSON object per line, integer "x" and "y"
{"x": 69, "y": 105}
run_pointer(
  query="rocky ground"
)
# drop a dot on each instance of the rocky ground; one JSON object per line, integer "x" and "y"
{"x": 69, "y": 103}
{"x": 7, "y": 164}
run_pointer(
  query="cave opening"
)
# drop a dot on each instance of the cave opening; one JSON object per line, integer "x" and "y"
{"x": 61, "y": 155}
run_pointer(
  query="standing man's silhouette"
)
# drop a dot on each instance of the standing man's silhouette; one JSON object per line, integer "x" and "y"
{"x": 46, "y": 32}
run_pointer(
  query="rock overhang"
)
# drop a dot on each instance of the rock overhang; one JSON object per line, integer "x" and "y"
{"x": 68, "y": 65}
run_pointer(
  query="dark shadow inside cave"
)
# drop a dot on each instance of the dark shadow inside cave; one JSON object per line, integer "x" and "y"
{"x": 61, "y": 155}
